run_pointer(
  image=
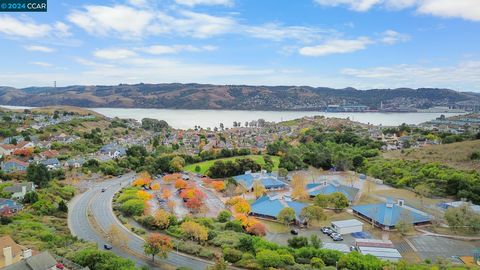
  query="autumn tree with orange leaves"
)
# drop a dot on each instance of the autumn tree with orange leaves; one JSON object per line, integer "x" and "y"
{"x": 144, "y": 179}
{"x": 180, "y": 183}
{"x": 218, "y": 185}
{"x": 170, "y": 178}
{"x": 157, "y": 244}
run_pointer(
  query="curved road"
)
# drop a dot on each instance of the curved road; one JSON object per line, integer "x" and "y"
{"x": 99, "y": 204}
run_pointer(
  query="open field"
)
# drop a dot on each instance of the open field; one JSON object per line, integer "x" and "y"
{"x": 205, "y": 165}
{"x": 456, "y": 155}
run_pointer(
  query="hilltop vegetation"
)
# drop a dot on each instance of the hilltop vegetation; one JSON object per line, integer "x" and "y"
{"x": 456, "y": 155}
{"x": 237, "y": 97}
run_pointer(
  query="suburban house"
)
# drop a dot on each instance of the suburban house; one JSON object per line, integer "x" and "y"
{"x": 11, "y": 252}
{"x": 19, "y": 190}
{"x": 327, "y": 188}
{"x": 113, "y": 150}
{"x": 270, "y": 207}
{"x": 268, "y": 180}
{"x": 382, "y": 249}
{"x": 42, "y": 261}
{"x": 6, "y": 149}
{"x": 74, "y": 163}
{"x": 49, "y": 154}
{"x": 51, "y": 163}
{"x": 387, "y": 215}
{"x": 9, "y": 207}
{"x": 14, "y": 165}
{"x": 347, "y": 226}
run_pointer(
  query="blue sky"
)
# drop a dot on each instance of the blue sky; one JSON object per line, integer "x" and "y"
{"x": 333, "y": 43}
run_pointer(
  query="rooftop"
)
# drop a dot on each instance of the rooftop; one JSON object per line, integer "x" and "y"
{"x": 268, "y": 180}
{"x": 327, "y": 188}
{"x": 347, "y": 223}
{"x": 271, "y": 206}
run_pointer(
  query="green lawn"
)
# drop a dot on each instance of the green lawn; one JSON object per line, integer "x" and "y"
{"x": 205, "y": 165}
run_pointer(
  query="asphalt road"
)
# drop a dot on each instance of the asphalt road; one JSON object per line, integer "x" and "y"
{"x": 100, "y": 204}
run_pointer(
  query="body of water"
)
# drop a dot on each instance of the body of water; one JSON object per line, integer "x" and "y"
{"x": 185, "y": 119}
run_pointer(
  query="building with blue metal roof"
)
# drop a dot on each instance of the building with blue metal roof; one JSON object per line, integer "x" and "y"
{"x": 387, "y": 215}
{"x": 270, "y": 207}
{"x": 268, "y": 180}
{"x": 327, "y": 188}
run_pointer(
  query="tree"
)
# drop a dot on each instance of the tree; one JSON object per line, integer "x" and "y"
{"x": 116, "y": 236}
{"x": 180, "y": 183}
{"x": 322, "y": 200}
{"x": 405, "y": 223}
{"x": 299, "y": 187}
{"x": 287, "y": 216}
{"x": 62, "y": 206}
{"x": 30, "y": 197}
{"x": 339, "y": 200}
{"x": 176, "y": 164}
{"x": 157, "y": 244}
{"x": 258, "y": 189}
{"x": 194, "y": 231}
{"x": 257, "y": 229}
{"x": 38, "y": 174}
{"x": 312, "y": 212}
{"x": 198, "y": 168}
{"x": 282, "y": 172}
{"x": 298, "y": 242}
{"x": 315, "y": 241}
{"x": 162, "y": 219}
{"x": 194, "y": 204}
{"x": 317, "y": 263}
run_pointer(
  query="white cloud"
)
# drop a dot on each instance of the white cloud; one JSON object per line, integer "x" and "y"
{"x": 41, "y": 64}
{"x": 25, "y": 27}
{"x": 124, "y": 21}
{"x": 465, "y": 9}
{"x": 336, "y": 46}
{"x": 138, "y": 3}
{"x": 391, "y": 37}
{"x": 37, "y": 48}
{"x": 464, "y": 76}
{"x": 114, "y": 54}
{"x": 192, "y": 3}
{"x": 172, "y": 49}
{"x": 277, "y": 32}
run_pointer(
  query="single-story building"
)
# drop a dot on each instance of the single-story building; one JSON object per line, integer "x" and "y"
{"x": 9, "y": 207}
{"x": 347, "y": 226}
{"x": 268, "y": 180}
{"x": 382, "y": 249}
{"x": 19, "y": 190}
{"x": 51, "y": 163}
{"x": 327, "y": 188}
{"x": 113, "y": 150}
{"x": 14, "y": 165}
{"x": 475, "y": 208}
{"x": 387, "y": 215}
{"x": 74, "y": 163}
{"x": 270, "y": 207}
{"x": 42, "y": 261}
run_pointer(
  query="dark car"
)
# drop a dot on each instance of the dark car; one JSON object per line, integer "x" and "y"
{"x": 107, "y": 247}
{"x": 294, "y": 231}
{"x": 104, "y": 189}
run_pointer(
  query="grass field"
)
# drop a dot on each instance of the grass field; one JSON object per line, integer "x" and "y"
{"x": 205, "y": 165}
{"x": 456, "y": 155}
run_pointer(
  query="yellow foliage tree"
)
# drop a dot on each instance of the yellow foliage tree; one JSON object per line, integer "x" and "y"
{"x": 299, "y": 187}
{"x": 194, "y": 231}
{"x": 162, "y": 219}
{"x": 258, "y": 189}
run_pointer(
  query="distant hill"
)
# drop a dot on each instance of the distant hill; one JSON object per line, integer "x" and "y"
{"x": 236, "y": 97}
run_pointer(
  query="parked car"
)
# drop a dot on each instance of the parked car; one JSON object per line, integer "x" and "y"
{"x": 107, "y": 247}
{"x": 104, "y": 189}
{"x": 337, "y": 237}
{"x": 330, "y": 231}
{"x": 325, "y": 230}
{"x": 353, "y": 248}
{"x": 294, "y": 231}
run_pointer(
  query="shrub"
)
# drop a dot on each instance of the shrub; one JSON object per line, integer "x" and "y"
{"x": 226, "y": 239}
{"x": 317, "y": 263}
{"x": 235, "y": 226}
{"x": 270, "y": 258}
{"x": 133, "y": 207}
{"x": 298, "y": 242}
{"x": 224, "y": 216}
{"x": 232, "y": 255}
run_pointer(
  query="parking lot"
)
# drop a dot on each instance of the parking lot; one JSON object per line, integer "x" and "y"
{"x": 282, "y": 238}
{"x": 433, "y": 246}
